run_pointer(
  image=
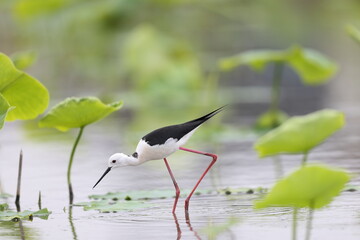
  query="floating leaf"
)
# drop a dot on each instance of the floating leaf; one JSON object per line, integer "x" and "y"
{"x": 110, "y": 206}
{"x": 271, "y": 119}
{"x": 170, "y": 193}
{"x": 300, "y": 134}
{"x": 212, "y": 231}
{"x": 29, "y": 97}
{"x": 7, "y": 215}
{"x": 310, "y": 186}
{"x": 23, "y": 60}
{"x": 354, "y": 33}
{"x": 77, "y": 112}
{"x": 312, "y": 67}
{"x": 145, "y": 194}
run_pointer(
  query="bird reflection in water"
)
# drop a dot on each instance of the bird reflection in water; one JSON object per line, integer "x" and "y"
{"x": 178, "y": 229}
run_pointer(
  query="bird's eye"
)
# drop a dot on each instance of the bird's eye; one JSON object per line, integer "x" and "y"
{"x": 113, "y": 161}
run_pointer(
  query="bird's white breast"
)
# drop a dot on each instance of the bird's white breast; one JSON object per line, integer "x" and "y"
{"x": 147, "y": 152}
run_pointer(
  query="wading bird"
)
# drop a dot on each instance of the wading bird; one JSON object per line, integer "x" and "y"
{"x": 161, "y": 143}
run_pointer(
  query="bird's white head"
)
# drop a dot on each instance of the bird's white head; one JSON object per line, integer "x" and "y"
{"x": 119, "y": 160}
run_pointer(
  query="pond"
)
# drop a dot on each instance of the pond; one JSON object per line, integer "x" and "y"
{"x": 45, "y": 164}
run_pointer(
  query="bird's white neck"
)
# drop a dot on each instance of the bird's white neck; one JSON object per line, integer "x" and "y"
{"x": 130, "y": 161}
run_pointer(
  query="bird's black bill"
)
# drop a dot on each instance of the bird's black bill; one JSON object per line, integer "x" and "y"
{"x": 106, "y": 172}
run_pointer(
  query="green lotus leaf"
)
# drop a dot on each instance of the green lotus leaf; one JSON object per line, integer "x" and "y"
{"x": 77, "y": 112}
{"x": 300, "y": 134}
{"x": 256, "y": 59}
{"x": 8, "y": 215}
{"x": 29, "y": 97}
{"x": 312, "y": 67}
{"x": 4, "y": 109}
{"x": 311, "y": 186}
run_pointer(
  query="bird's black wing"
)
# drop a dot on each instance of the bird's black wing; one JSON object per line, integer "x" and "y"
{"x": 159, "y": 136}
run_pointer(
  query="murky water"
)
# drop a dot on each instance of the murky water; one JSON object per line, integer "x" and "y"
{"x": 45, "y": 164}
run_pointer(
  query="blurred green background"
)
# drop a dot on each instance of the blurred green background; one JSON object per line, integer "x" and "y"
{"x": 161, "y": 57}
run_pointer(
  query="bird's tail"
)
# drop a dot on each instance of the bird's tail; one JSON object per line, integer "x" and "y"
{"x": 209, "y": 115}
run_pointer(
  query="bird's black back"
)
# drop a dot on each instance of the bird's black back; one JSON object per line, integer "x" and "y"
{"x": 159, "y": 136}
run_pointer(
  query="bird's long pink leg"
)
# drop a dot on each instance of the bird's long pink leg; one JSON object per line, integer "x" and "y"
{"x": 177, "y": 189}
{"x": 214, "y": 157}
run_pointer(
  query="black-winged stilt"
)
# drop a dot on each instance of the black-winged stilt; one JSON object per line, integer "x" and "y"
{"x": 161, "y": 143}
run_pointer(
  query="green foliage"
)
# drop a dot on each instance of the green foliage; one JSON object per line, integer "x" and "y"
{"x": 110, "y": 206}
{"x": 354, "y": 33}
{"x": 8, "y": 215}
{"x": 77, "y": 112}
{"x": 5, "y": 195}
{"x": 23, "y": 60}
{"x": 312, "y": 67}
{"x": 213, "y": 231}
{"x": 26, "y": 9}
{"x": 310, "y": 186}
{"x": 162, "y": 69}
{"x": 4, "y": 108}
{"x": 271, "y": 119}
{"x": 29, "y": 97}
{"x": 300, "y": 134}
{"x": 4, "y": 206}
{"x": 256, "y": 59}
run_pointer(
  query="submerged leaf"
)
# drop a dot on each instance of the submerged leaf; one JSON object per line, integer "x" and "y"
{"x": 29, "y": 97}
{"x": 5, "y": 195}
{"x": 110, "y": 206}
{"x": 212, "y": 231}
{"x": 3, "y": 207}
{"x": 77, "y": 112}
{"x": 300, "y": 134}
{"x": 7, "y": 215}
{"x": 310, "y": 186}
